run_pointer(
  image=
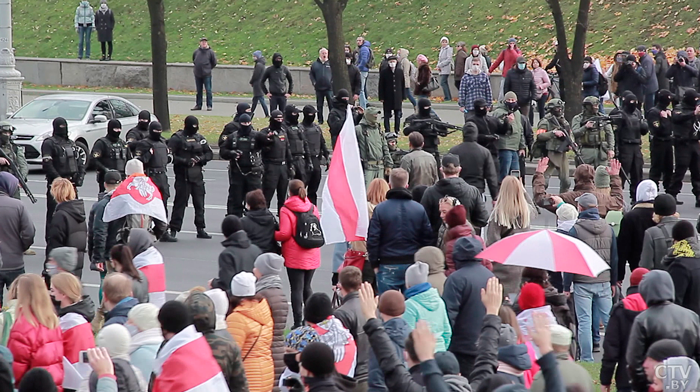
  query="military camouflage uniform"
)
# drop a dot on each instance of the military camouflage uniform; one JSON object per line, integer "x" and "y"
{"x": 14, "y": 153}
{"x": 545, "y": 133}
{"x": 374, "y": 151}
{"x": 594, "y": 142}
{"x": 394, "y": 150}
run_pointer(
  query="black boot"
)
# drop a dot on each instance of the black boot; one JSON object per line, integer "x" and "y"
{"x": 103, "y": 58}
{"x": 169, "y": 237}
{"x": 203, "y": 234}
{"x": 109, "y": 58}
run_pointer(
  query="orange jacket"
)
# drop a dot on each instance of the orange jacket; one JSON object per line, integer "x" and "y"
{"x": 251, "y": 325}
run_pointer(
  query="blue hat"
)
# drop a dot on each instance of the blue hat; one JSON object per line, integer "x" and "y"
{"x": 466, "y": 249}
{"x": 257, "y": 54}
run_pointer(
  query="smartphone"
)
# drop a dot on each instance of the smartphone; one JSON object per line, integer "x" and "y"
{"x": 83, "y": 357}
{"x": 515, "y": 173}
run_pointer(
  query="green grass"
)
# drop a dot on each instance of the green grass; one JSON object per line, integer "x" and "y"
{"x": 296, "y": 27}
{"x": 593, "y": 369}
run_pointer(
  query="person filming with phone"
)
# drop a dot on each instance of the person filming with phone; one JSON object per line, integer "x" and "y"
{"x": 683, "y": 73}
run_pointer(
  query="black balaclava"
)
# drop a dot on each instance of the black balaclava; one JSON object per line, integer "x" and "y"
{"x": 144, "y": 120}
{"x": 60, "y": 127}
{"x": 112, "y": 125}
{"x": 690, "y": 99}
{"x": 664, "y": 98}
{"x": 291, "y": 115}
{"x": 241, "y": 108}
{"x": 481, "y": 107}
{"x": 629, "y": 103}
{"x": 244, "y": 130}
{"x": 277, "y": 60}
{"x": 276, "y": 115}
{"x": 424, "y": 107}
{"x": 191, "y": 125}
{"x": 5, "y": 137}
{"x": 343, "y": 95}
{"x": 155, "y": 130}
{"x": 309, "y": 114}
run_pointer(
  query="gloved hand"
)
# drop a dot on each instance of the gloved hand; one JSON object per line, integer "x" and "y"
{"x": 194, "y": 161}
{"x": 290, "y": 172}
{"x": 387, "y": 171}
{"x": 310, "y": 167}
{"x": 78, "y": 180}
{"x": 238, "y": 154}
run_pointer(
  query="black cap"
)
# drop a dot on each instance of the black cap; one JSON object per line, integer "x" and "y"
{"x": 291, "y": 109}
{"x": 631, "y": 57}
{"x": 641, "y": 48}
{"x": 309, "y": 109}
{"x": 682, "y": 230}
{"x": 113, "y": 177}
{"x": 174, "y": 316}
{"x": 480, "y": 103}
{"x": 144, "y": 115}
{"x": 203, "y": 39}
{"x": 450, "y": 159}
{"x": 242, "y": 107}
{"x": 342, "y": 93}
{"x": 155, "y": 126}
{"x": 663, "y": 349}
{"x": 276, "y": 114}
{"x": 665, "y": 205}
{"x": 244, "y": 118}
{"x": 317, "y": 308}
{"x": 191, "y": 123}
{"x": 588, "y": 59}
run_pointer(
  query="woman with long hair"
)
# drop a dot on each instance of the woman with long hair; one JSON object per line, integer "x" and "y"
{"x": 423, "y": 76}
{"x": 376, "y": 193}
{"x": 122, "y": 260}
{"x": 512, "y": 214}
{"x": 75, "y": 312}
{"x": 36, "y": 339}
{"x": 542, "y": 84}
{"x": 301, "y": 262}
{"x": 68, "y": 227}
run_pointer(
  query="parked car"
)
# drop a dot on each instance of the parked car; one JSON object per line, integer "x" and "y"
{"x": 87, "y": 116}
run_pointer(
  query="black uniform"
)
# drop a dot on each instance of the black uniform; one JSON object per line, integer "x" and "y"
{"x": 155, "y": 155}
{"x": 298, "y": 145}
{"x": 661, "y": 139}
{"x": 429, "y": 132}
{"x": 139, "y": 132}
{"x": 276, "y": 156}
{"x": 317, "y": 151}
{"x": 191, "y": 152}
{"x": 686, "y": 133}
{"x": 110, "y": 153}
{"x": 487, "y": 126}
{"x": 235, "y": 125}
{"x": 242, "y": 149}
{"x": 60, "y": 157}
{"x": 629, "y": 129}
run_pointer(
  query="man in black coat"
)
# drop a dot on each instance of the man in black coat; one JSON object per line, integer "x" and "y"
{"x": 488, "y": 128}
{"x": 521, "y": 81}
{"x": 392, "y": 92}
{"x": 684, "y": 121}
{"x": 239, "y": 254}
{"x": 355, "y": 78}
{"x": 255, "y": 82}
{"x": 336, "y": 118}
{"x": 683, "y": 264}
{"x": 682, "y": 73}
{"x": 631, "y": 77}
{"x": 322, "y": 80}
{"x": 661, "y": 139}
{"x": 476, "y": 161}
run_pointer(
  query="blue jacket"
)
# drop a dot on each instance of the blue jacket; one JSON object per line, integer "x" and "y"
{"x": 590, "y": 81}
{"x": 398, "y": 331}
{"x": 593, "y": 214}
{"x": 398, "y": 229}
{"x": 363, "y": 58}
{"x": 119, "y": 314}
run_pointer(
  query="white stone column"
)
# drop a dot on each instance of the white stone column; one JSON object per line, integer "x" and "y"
{"x": 10, "y": 78}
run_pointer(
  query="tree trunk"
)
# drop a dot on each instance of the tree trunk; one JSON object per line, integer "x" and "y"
{"x": 159, "y": 48}
{"x": 571, "y": 67}
{"x": 333, "y": 16}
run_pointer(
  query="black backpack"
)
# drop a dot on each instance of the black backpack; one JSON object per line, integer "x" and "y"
{"x": 309, "y": 234}
{"x": 602, "y": 85}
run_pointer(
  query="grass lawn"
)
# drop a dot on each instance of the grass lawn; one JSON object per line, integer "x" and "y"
{"x": 594, "y": 371}
{"x": 296, "y": 28}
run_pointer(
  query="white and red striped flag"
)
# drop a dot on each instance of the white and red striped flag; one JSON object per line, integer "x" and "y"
{"x": 344, "y": 215}
{"x": 136, "y": 195}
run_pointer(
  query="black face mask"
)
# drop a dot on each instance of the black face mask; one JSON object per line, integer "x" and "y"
{"x": 4, "y": 138}
{"x": 244, "y": 130}
{"x": 309, "y": 118}
{"x": 277, "y": 62}
{"x": 664, "y": 102}
{"x": 142, "y": 125}
{"x": 629, "y": 106}
{"x": 556, "y": 112}
{"x": 424, "y": 112}
{"x": 191, "y": 125}
{"x": 275, "y": 125}
{"x": 290, "y": 360}
{"x": 481, "y": 111}
{"x": 293, "y": 119}
{"x": 512, "y": 106}
{"x": 60, "y": 128}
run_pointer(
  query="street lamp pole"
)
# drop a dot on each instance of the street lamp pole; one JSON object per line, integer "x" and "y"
{"x": 10, "y": 78}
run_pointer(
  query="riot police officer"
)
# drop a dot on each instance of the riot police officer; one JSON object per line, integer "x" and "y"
{"x": 488, "y": 127}
{"x": 155, "y": 155}
{"x": 629, "y": 129}
{"x": 242, "y": 149}
{"x": 13, "y": 153}
{"x": 686, "y": 133}
{"x": 110, "y": 153}
{"x": 429, "y": 131}
{"x": 661, "y": 139}
{"x": 298, "y": 145}
{"x": 317, "y": 150}
{"x": 392, "y": 141}
{"x": 555, "y": 132}
{"x": 139, "y": 132}
{"x": 191, "y": 153}
{"x": 60, "y": 157}
{"x": 235, "y": 124}
{"x": 276, "y": 157}
{"x": 594, "y": 136}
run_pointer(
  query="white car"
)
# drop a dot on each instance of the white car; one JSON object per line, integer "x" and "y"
{"x": 87, "y": 116}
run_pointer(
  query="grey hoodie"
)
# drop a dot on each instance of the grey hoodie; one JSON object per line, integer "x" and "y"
{"x": 657, "y": 287}
{"x": 681, "y": 374}
{"x": 457, "y": 383}
{"x": 139, "y": 241}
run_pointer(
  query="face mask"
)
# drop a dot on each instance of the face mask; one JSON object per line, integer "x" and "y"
{"x": 630, "y": 106}
{"x": 290, "y": 360}
{"x": 309, "y": 118}
{"x": 387, "y": 55}
{"x": 556, "y": 112}
{"x": 475, "y": 52}
{"x": 654, "y": 52}
{"x": 4, "y": 138}
{"x": 348, "y": 61}
{"x": 142, "y": 125}
{"x": 274, "y": 124}
{"x": 155, "y": 135}
{"x": 133, "y": 330}
{"x": 476, "y": 68}
{"x": 392, "y": 64}
{"x": 371, "y": 118}
{"x": 586, "y": 65}
{"x": 481, "y": 111}
{"x": 521, "y": 66}
{"x": 277, "y": 62}
{"x": 245, "y": 129}
{"x": 512, "y": 105}
{"x": 51, "y": 269}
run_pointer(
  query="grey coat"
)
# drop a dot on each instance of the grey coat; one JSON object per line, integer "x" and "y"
{"x": 421, "y": 167}
{"x": 16, "y": 232}
{"x": 657, "y": 240}
{"x": 652, "y": 83}
{"x": 258, "y": 71}
{"x": 445, "y": 60}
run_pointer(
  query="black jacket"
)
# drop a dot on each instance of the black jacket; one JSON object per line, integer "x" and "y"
{"x": 321, "y": 76}
{"x": 102, "y": 236}
{"x": 350, "y": 314}
{"x": 238, "y": 256}
{"x": 522, "y": 83}
{"x": 469, "y": 196}
{"x": 632, "y": 228}
{"x": 662, "y": 320}
{"x": 204, "y": 61}
{"x": 462, "y": 296}
{"x": 260, "y": 226}
{"x": 392, "y": 88}
{"x": 477, "y": 164}
{"x": 85, "y": 307}
{"x": 336, "y": 119}
{"x": 396, "y": 376}
{"x": 682, "y": 76}
{"x": 615, "y": 344}
{"x": 489, "y": 127}
{"x": 661, "y": 67}
{"x": 256, "y": 78}
{"x": 279, "y": 77}
{"x": 684, "y": 119}
{"x": 69, "y": 228}
{"x": 661, "y": 128}
{"x": 629, "y": 79}
{"x": 684, "y": 268}
{"x": 355, "y": 79}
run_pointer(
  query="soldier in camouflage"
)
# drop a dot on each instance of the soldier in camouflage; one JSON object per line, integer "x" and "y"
{"x": 392, "y": 141}
{"x": 595, "y": 138}
{"x": 374, "y": 153}
{"x": 13, "y": 152}
{"x": 552, "y": 131}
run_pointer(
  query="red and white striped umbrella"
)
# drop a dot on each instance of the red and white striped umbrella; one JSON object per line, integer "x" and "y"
{"x": 547, "y": 250}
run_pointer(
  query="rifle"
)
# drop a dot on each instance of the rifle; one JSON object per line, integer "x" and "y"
{"x": 436, "y": 124}
{"x": 568, "y": 142}
{"x": 17, "y": 174}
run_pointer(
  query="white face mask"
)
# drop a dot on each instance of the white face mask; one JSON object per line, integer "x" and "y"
{"x": 476, "y": 68}
{"x": 392, "y": 64}
{"x": 475, "y": 52}
{"x": 586, "y": 65}
{"x": 348, "y": 61}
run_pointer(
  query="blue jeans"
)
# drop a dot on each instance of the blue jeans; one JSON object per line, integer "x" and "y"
{"x": 339, "y": 250}
{"x": 508, "y": 160}
{"x": 585, "y": 295}
{"x": 204, "y": 82}
{"x": 320, "y": 96}
{"x": 445, "y": 84}
{"x": 363, "y": 87}
{"x": 410, "y": 97}
{"x": 261, "y": 99}
{"x": 84, "y": 33}
{"x": 392, "y": 277}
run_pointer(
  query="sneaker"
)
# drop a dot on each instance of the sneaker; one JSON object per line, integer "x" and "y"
{"x": 29, "y": 252}
{"x": 103, "y": 58}
{"x": 196, "y": 108}
{"x": 596, "y": 347}
{"x": 109, "y": 58}
{"x": 167, "y": 237}
{"x": 209, "y": 109}
{"x": 203, "y": 234}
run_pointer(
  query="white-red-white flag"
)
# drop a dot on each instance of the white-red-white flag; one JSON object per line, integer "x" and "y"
{"x": 136, "y": 195}
{"x": 344, "y": 215}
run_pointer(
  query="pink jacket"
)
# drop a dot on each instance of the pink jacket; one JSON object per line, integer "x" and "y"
{"x": 541, "y": 81}
{"x": 294, "y": 255}
{"x": 508, "y": 57}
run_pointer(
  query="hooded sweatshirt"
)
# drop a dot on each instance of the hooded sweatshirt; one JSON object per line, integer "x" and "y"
{"x": 16, "y": 227}
{"x": 633, "y": 226}
{"x": 681, "y": 374}
{"x": 436, "y": 264}
{"x": 149, "y": 260}
{"x": 683, "y": 264}
{"x": 69, "y": 228}
{"x": 424, "y": 303}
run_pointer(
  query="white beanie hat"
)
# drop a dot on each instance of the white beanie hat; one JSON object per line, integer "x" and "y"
{"x": 116, "y": 339}
{"x": 133, "y": 166}
{"x": 144, "y": 316}
{"x": 566, "y": 212}
{"x": 417, "y": 274}
{"x": 243, "y": 285}
{"x": 221, "y": 306}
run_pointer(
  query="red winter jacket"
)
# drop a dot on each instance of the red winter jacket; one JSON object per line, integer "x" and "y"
{"x": 36, "y": 346}
{"x": 294, "y": 255}
{"x": 77, "y": 336}
{"x": 508, "y": 57}
{"x": 451, "y": 237}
